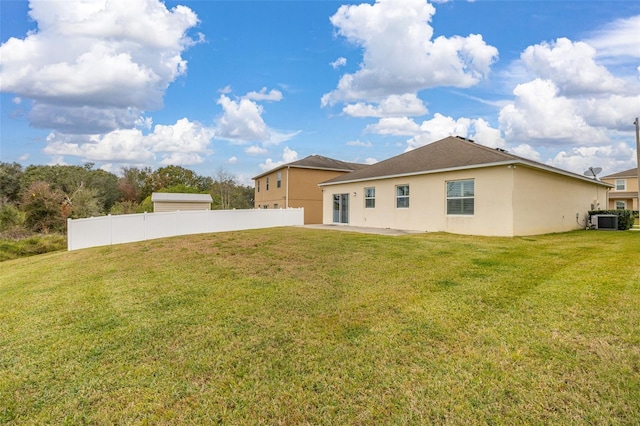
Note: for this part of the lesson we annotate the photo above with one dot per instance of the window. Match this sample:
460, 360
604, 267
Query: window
621, 184
621, 205
369, 198
460, 197
267, 185
276, 206
279, 180
258, 185
402, 196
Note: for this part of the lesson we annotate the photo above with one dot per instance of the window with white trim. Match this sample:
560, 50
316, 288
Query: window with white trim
621, 205
621, 184
461, 197
267, 184
279, 180
258, 185
370, 198
402, 196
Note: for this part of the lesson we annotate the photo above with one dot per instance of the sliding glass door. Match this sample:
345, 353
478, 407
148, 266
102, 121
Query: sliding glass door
340, 208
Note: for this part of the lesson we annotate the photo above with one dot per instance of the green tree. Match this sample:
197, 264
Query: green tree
44, 208
135, 184
10, 182
84, 202
169, 176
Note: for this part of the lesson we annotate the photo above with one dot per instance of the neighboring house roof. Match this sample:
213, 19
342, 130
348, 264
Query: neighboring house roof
180, 198
631, 173
318, 162
450, 153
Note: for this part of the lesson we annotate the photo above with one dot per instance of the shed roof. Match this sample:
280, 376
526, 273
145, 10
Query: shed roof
450, 153
318, 162
631, 173
169, 197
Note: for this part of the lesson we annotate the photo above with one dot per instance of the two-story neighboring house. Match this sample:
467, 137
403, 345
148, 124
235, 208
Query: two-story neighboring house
624, 194
295, 184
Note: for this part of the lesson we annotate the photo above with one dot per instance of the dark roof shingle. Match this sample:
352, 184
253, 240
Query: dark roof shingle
319, 162
453, 152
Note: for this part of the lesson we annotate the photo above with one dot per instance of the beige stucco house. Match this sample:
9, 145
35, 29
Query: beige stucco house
295, 185
455, 185
624, 194
168, 202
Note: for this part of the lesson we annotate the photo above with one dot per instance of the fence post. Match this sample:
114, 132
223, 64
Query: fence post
69, 235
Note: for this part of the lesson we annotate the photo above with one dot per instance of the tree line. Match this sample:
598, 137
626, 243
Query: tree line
39, 199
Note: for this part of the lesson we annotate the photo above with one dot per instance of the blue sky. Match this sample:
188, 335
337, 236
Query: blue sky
244, 86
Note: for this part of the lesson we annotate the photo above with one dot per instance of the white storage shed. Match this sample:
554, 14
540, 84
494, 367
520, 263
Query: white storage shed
168, 202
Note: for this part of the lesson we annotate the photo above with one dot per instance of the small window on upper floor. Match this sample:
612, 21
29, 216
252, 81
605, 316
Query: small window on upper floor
279, 180
267, 184
258, 185
621, 184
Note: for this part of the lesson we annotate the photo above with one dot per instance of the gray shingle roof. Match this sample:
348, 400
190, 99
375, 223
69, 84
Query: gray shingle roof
453, 152
180, 197
624, 174
319, 162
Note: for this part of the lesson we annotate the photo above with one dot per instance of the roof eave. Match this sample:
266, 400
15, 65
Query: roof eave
472, 167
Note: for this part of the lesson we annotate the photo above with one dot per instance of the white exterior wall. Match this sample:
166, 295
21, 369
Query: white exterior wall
427, 203
509, 201
172, 206
547, 202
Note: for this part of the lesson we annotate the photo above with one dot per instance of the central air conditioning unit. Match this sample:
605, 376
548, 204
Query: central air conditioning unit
605, 222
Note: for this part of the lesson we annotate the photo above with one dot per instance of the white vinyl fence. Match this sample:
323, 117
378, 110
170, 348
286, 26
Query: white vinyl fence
107, 230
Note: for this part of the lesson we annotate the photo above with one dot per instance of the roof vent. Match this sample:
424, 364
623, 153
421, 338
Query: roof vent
501, 150
465, 139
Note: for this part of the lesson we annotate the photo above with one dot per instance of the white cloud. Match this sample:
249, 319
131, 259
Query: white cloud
232, 160
340, 62
359, 143
288, 156
571, 67
397, 126
241, 121
392, 106
273, 95
183, 143
526, 151
96, 63
399, 55
619, 39
370, 160
539, 115
611, 158
255, 150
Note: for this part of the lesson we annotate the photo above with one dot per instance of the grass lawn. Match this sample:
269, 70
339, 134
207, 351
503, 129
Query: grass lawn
304, 326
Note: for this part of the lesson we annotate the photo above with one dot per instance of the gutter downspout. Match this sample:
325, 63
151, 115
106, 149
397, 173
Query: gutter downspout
286, 195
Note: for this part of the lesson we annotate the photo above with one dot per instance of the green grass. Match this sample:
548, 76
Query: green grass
37, 244
301, 326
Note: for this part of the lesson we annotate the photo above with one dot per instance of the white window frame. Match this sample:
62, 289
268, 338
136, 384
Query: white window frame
621, 184
623, 204
462, 195
279, 180
267, 184
402, 197
370, 197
